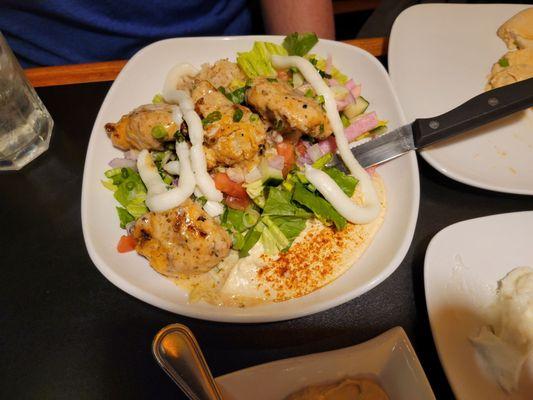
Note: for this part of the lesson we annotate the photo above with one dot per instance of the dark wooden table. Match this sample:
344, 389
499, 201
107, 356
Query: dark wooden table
68, 333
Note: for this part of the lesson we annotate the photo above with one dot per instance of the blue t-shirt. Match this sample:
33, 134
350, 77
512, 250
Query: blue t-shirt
56, 32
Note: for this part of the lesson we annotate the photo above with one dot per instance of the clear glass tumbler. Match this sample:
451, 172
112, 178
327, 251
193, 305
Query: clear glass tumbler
25, 124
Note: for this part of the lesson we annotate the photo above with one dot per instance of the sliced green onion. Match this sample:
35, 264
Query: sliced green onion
319, 99
254, 117
159, 132
158, 99
212, 117
309, 93
504, 62
237, 115
202, 200
272, 79
179, 136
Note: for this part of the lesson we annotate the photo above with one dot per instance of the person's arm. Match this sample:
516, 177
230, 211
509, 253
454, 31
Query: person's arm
282, 17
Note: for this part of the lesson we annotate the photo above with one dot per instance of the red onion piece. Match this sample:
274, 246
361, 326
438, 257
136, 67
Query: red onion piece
315, 152
354, 89
131, 154
328, 145
276, 162
342, 104
304, 88
333, 82
235, 174
123, 163
253, 175
129, 227
362, 125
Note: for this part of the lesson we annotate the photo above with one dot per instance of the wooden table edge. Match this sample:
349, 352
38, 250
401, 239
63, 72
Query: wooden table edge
108, 70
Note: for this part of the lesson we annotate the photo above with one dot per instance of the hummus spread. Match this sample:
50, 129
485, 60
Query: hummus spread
318, 256
347, 389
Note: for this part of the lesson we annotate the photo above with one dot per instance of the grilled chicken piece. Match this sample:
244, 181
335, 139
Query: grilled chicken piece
221, 73
228, 142
277, 101
182, 241
134, 130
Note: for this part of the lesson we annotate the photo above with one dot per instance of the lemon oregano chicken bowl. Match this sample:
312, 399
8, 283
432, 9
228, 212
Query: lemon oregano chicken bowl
225, 185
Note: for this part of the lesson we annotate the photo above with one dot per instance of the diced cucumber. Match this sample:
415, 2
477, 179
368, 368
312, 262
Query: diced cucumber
380, 130
271, 176
297, 80
357, 108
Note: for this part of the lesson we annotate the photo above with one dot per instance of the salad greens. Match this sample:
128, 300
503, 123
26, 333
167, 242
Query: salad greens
281, 205
256, 62
299, 44
323, 210
129, 191
347, 183
286, 209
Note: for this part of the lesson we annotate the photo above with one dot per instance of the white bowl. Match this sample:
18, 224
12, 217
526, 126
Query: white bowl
138, 82
388, 358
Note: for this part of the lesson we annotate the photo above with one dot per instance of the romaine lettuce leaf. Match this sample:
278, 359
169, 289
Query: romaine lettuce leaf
347, 183
279, 203
124, 216
256, 62
320, 207
299, 44
131, 192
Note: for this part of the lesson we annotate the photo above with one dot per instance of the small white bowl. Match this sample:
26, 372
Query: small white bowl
389, 359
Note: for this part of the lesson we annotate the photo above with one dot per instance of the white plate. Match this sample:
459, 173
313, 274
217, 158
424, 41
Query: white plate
388, 358
462, 267
439, 57
143, 77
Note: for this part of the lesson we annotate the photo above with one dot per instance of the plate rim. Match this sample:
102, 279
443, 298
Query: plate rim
243, 316
427, 273
426, 153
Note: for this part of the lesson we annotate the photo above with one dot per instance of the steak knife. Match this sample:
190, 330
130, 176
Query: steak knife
477, 111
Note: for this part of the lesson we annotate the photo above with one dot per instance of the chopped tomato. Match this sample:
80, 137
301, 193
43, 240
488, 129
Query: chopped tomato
283, 74
126, 243
226, 185
301, 149
239, 203
286, 150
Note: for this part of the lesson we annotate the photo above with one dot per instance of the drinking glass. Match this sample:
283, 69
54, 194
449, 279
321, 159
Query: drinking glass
25, 124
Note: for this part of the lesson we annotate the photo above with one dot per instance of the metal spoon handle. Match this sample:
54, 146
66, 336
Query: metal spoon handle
178, 353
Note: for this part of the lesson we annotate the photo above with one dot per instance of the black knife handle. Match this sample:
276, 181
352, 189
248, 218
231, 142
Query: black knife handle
477, 111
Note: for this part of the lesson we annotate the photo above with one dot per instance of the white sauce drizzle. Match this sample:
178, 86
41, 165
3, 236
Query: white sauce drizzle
175, 77
158, 197
172, 167
323, 182
194, 125
177, 116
